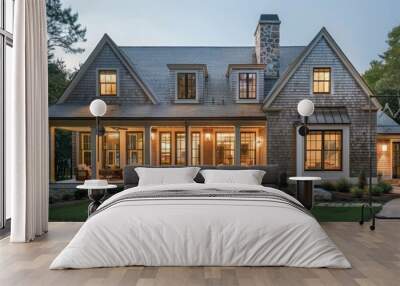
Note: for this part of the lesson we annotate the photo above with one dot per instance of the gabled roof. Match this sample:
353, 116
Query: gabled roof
385, 124
106, 40
284, 78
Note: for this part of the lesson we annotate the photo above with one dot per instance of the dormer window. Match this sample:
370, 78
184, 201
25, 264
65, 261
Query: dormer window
107, 82
322, 80
186, 85
247, 85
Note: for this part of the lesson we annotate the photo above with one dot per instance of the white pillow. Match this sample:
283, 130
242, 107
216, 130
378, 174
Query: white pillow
248, 177
166, 176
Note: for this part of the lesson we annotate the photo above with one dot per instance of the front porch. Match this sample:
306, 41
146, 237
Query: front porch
73, 156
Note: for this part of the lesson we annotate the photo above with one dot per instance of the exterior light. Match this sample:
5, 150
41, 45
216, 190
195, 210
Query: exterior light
384, 147
207, 136
305, 107
98, 108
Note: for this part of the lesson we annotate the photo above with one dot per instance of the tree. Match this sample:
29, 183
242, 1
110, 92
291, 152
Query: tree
383, 76
64, 32
63, 28
58, 79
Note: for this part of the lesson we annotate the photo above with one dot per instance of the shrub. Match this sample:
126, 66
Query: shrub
357, 192
328, 186
80, 194
376, 190
67, 197
343, 185
386, 187
362, 180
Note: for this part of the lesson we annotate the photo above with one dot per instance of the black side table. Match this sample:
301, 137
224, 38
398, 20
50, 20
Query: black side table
96, 194
305, 190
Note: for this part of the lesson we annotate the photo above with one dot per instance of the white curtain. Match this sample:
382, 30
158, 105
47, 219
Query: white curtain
27, 124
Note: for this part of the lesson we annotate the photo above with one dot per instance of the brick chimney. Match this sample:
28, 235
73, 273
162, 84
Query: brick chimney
267, 43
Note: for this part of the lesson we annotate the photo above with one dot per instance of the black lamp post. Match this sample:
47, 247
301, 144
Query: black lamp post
98, 108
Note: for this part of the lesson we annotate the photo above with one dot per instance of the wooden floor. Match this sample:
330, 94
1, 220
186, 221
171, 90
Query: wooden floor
375, 257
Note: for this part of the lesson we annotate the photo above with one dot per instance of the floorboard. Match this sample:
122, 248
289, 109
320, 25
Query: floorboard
375, 257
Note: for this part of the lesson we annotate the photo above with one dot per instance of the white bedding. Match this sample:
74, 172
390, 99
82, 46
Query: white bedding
200, 231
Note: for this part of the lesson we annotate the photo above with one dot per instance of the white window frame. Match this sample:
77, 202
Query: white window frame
6, 39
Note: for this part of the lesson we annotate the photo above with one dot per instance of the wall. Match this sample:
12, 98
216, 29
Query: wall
128, 89
281, 123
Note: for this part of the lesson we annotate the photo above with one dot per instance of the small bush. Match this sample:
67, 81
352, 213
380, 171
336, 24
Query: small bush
328, 186
343, 185
357, 192
67, 197
80, 194
376, 191
386, 187
362, 180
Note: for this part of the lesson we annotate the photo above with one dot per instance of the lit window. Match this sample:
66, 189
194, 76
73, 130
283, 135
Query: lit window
180, 148
111, 150
225, 148
321, 80
247, 85
108, 83
165, 148
186, 85
196, 148
323, 150
247, 148
85, 150
134, 148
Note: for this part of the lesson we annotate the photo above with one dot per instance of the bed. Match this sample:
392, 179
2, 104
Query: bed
195, 224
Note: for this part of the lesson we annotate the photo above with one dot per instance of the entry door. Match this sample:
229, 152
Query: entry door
396, 159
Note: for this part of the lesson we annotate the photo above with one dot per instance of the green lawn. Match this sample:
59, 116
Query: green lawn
77, 211
326, 213
70, 211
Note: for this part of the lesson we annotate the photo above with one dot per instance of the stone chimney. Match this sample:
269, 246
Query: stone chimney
267, 43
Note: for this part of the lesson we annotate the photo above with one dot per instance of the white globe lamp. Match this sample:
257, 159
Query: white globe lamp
98, 108
305, 107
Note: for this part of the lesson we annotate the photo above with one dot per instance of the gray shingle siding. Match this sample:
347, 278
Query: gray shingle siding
128, 89
345, 92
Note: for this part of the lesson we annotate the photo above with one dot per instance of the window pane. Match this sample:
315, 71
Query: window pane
195, 148
165, 148
108, 82
247, 85
225, 148
248, 148
186, 85
321, 80
180, 148
111, 150
313, 150
9, 11
135, 148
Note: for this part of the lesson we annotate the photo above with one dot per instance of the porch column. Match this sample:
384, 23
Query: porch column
187, 144
52, 154
147, 144
237, 144
94, 155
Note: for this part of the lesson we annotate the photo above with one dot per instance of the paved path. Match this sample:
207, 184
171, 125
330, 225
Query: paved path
390, 209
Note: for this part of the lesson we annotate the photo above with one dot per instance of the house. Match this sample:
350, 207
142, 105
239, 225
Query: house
214, 106
388, 146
